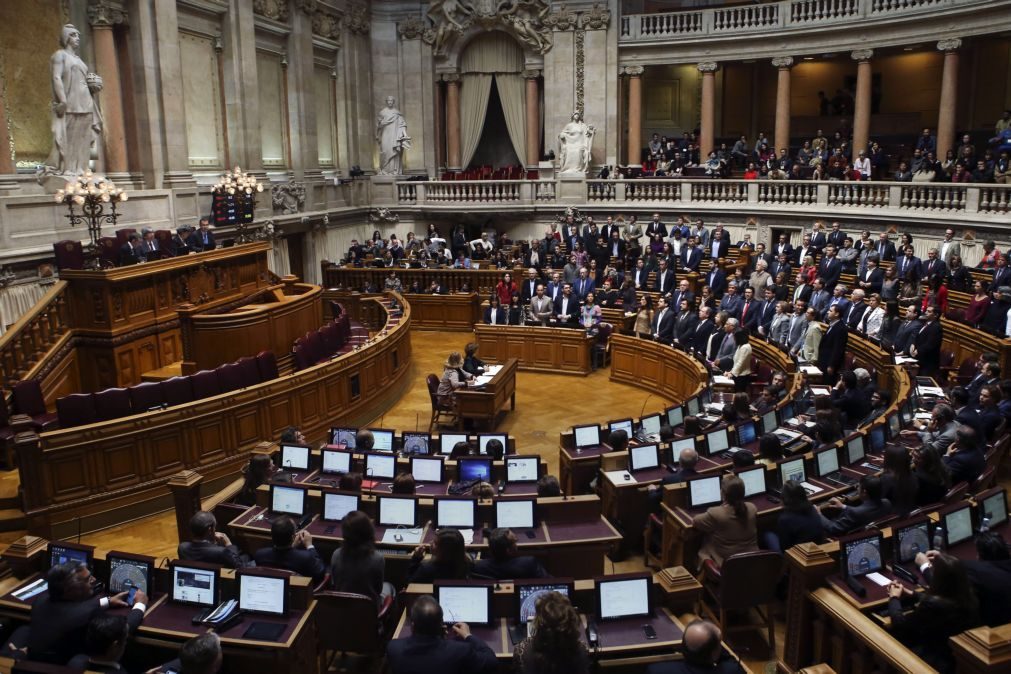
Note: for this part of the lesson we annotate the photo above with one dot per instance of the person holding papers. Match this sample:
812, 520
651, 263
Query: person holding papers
430, 650
741, 369
728, 528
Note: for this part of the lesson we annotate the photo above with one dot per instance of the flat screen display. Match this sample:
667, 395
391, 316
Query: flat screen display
704, 492
528, 593
336, 506
622, 425
416, 443
586, 436
380, 466
522, 468
912, 539
194, 585
754, 480
344, 437
262, 594
717, 441
397, 512
769, 423
447, 441
995, 507
126, 572
650, 425
623, 598
287, 500
456, 513
384, 440
295, 457
61, 553
643, 458
746, 433
827, 461
693, 407
958, 525
792, 469
484, 438
464, 604
474, 469
336, 461
855, 449
877, 439
862, 555
426, 470
514, 514
675, 416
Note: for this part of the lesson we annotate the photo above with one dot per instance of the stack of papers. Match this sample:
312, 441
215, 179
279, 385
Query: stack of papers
904, 360
407, 536
931, 391
720, 380
481, 380
810, 369
492, 370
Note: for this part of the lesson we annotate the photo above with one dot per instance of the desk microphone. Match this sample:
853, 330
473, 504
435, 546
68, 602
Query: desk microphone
644, 402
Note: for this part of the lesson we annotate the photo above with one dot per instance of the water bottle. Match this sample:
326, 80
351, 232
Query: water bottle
939, 538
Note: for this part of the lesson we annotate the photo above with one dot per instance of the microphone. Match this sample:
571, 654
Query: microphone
644, 402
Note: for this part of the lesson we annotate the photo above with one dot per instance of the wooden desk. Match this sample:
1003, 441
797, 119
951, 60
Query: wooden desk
456, 312
484, 404
538, 348
660, 369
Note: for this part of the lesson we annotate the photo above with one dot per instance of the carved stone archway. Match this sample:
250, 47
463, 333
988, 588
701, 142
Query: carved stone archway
455, 23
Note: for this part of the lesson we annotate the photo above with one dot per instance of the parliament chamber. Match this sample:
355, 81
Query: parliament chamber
467, 336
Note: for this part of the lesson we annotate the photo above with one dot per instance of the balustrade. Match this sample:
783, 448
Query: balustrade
27, 341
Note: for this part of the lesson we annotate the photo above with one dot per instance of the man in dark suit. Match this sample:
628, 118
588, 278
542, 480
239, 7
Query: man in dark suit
691, 255
554, 287
965, 459
656, 227
926, 346
836, 237
152, 249
181, 241
832, 349
750, 310
702, 652
885, 248
684, 324
292, 550
908, 266
615, 245
504, 561
761, 254
932, 266
783, 247
870, 281
829, 268
610, 228
731, 301
663, 322
803, 251
203, 238
688, 458
850, 518
849, 400
781, 265
59, 619
820, 298
766, 313
664, 281
208, 545
132, 251
683, 293
640, 277
716, 280
606, 295
1002, 274
703, 329
529, 287
818, 238
718, 246
429, 651
584, 284
567, 307
855, 312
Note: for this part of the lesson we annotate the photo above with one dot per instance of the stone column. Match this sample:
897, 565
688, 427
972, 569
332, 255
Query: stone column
533, 118
949, 97
6, 163
301, 101
239, 85
103, 19
634, 114
782, 137
453, 121
862, 105
708, 116
169, 116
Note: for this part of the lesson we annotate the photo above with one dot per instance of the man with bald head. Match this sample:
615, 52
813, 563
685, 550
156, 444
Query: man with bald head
702, 651
430, 650
687, 460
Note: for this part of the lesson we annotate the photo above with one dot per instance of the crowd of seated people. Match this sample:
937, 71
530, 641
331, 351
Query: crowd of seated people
146, 246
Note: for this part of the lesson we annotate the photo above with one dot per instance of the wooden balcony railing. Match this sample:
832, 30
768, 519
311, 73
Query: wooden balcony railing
25, 343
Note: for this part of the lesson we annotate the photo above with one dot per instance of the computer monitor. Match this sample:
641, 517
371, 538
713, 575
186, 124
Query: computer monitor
586, 437
624, 596
473, 469
855, 451
717, 441
643, 458
704, 491
706, 397
344, 437
621, 425
993, 506
861, 554
911, 538
693, 406
877, 439
675, 416
383, 440
380, 466
262, 591
826, 462
287, 500
455, 513
650, 425
464, 603
337, 505
678, 445
484, 438
523, 468
397, 511
194, 583
416, 443
295, 457
894, 426
61, 553
515, 514
908, 410
528, 592
957, 525
426, 469
127, 571
753, 479
336, 461
786, 412
447, 441
769, 423
792, 469
746, 433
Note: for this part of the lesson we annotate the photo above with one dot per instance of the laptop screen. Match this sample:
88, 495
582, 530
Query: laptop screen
786, 412
336, 461
877, 436
623, 598
469, 604
262, 594
128, 571
855, 449
958, 525
474, 469
514, 514
447, 441
457, 513
717, 441
862, 555
995, 507
527, 595
344, 437
894, 426
397, 512
678, 445
792, 469
522, 468
827, 461
675, 416
704, 491
415, 443
384, 440
643, 458
586, 436
621, 425
336, 506
746, 433
61, 553
484, 438
650, 425
753, 479
769, 423
194, 585
295, 457
380, 466
287, 500
912, 539
426, 470
693, 407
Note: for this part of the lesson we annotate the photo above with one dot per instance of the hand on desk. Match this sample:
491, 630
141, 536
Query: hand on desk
897, 590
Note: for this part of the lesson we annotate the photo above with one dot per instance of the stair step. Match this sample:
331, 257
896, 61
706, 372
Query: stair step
12, 519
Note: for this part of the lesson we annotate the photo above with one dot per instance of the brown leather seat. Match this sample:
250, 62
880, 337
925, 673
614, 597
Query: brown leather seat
745, 581
439, 410
351, 624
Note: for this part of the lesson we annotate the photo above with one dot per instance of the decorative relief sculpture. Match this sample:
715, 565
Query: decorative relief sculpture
76, 114
384, 216
562, 19
276, 10
575, 144
524, 19
597, 18
288, 197
358, 20
391, 135
411, 28
326, 25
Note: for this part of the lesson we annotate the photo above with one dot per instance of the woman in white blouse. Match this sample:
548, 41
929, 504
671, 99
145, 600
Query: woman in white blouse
870, 324
863, 165
741, 369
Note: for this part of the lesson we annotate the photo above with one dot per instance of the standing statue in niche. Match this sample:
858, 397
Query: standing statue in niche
76, 115
391, 134
575, 143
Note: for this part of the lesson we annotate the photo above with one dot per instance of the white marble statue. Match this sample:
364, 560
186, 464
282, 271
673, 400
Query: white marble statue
76, 115
575, 143
391, 134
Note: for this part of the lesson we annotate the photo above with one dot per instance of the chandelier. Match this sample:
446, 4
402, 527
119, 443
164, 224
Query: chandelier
242, 187
93, 194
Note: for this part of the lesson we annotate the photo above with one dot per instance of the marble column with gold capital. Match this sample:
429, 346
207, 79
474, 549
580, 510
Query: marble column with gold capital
103, 18
949, 97
862, 104
782, 131
634, 74
453, 121
707, 124
533, 118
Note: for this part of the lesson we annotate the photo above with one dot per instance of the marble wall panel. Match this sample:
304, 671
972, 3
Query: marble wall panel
272, 117
202, 101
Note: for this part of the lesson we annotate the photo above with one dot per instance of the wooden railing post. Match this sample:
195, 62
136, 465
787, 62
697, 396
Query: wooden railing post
26, 555
28, 448
984, 650
185, 487
809, 565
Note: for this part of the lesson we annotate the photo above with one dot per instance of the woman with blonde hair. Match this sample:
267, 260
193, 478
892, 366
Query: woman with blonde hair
555, 646
453, 378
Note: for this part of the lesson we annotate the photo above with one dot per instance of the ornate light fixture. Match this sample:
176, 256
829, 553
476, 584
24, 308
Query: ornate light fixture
243, 188
93, 193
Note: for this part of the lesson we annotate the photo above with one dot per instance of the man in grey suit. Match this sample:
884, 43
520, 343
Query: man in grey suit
541, 306
797, 328
725, 354
940, 432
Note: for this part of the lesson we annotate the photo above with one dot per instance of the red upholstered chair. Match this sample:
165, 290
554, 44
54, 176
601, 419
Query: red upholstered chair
229, 377
331, 337
301, 355
205, 384
108, 251
69, 254
146, 395
28, 400
112, 403
164, 237
123, 235
745, 581
177, 390
249, 371
266, 362
76, 409
317, 351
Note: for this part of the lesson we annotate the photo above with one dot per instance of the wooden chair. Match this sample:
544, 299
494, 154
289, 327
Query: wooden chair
439, 410
745, 581
985, 480
353, 625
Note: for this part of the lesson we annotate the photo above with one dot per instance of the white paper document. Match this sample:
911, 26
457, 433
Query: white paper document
876, 577
619, 476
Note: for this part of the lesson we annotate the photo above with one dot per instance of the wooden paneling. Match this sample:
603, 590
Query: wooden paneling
459, 311
558, 350
655, 367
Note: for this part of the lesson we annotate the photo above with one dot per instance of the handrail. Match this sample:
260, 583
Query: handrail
31, 336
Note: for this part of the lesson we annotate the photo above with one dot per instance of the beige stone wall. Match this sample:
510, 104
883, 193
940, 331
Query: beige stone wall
202, 102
